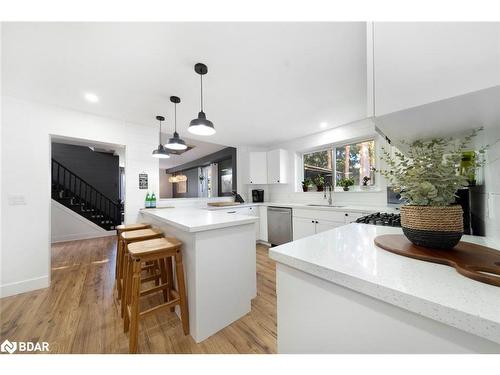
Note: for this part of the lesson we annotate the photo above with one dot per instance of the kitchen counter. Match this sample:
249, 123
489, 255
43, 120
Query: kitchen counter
347, 257
340, 207
218, 250
193, 219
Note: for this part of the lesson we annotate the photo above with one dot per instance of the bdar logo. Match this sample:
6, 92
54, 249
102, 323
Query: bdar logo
8, 347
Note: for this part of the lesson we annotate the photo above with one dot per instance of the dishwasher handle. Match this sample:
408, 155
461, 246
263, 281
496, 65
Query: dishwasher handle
279, 209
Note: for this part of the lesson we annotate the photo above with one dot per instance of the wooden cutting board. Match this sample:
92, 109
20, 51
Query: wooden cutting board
223, 204
474, 261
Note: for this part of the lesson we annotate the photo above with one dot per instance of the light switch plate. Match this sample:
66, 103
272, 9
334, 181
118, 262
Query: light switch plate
17, 200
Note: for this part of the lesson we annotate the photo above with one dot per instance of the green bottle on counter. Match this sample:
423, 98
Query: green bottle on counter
148, 201
153, 201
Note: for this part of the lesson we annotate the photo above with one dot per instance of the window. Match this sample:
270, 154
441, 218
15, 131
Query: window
319, 163
354, 160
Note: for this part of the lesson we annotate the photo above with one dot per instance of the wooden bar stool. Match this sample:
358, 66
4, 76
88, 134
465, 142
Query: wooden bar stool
128, 238
120, 250
157, 250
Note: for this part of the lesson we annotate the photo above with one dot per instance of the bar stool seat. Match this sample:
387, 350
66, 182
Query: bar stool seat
119, 250
160, 250
126, 239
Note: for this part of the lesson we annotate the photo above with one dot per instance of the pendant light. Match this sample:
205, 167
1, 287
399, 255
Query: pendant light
160, 152
200, 125
176, 143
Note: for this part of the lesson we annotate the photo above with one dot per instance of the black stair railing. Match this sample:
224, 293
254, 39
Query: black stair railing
85, 194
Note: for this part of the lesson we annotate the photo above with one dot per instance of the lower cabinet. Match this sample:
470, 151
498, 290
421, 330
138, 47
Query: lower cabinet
303, 227
251, 211
308, 222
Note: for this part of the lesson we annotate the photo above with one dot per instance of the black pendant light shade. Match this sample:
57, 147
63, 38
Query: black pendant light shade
176, 142
200, 125
160, 152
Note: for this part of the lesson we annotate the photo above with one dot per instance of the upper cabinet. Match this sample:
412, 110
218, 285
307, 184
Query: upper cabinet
415, 63
257, 171
268, 167
277, 167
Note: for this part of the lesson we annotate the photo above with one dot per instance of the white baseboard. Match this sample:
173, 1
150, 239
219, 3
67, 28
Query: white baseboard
24, 286
82, 236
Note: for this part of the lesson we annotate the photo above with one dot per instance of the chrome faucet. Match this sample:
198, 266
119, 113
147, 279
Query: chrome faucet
329, 190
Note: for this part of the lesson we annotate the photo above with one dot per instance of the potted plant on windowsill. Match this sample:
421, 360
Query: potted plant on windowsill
346, 183
427, 176
306, 183
319, 181
364, 185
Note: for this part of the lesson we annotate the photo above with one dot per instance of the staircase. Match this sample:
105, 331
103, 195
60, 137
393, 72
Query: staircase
78, 195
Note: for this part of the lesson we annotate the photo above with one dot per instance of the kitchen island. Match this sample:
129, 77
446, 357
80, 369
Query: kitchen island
219, 261
339, 293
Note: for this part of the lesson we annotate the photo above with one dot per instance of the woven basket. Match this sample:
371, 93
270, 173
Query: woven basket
432, 226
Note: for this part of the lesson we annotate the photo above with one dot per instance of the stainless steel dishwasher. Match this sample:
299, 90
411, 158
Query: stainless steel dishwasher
279, 225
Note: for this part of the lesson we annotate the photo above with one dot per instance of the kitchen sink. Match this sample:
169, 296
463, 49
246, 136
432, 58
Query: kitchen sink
325, 205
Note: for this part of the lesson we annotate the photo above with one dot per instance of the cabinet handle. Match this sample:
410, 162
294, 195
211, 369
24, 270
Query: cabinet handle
312, 221
231, 212
278, 180
251, 182
346, 214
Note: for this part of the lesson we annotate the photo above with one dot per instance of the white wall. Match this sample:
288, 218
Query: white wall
67, 225
26, 131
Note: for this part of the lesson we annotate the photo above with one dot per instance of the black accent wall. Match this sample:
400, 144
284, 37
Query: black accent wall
101, 170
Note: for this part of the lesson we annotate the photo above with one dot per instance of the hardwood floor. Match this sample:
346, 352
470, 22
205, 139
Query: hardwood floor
78, 313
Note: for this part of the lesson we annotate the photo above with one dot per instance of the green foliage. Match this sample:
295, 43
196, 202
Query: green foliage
307, 182
320, 159
319, 180
427, 174
346, 182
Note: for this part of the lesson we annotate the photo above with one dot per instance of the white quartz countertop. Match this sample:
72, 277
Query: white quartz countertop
191, 219
347, 256
335, 207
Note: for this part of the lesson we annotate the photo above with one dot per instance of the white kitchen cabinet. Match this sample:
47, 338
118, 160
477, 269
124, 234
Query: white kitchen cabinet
303, 227
416, 63
277, 166
263, 223
257, 169
251, 211
307, 222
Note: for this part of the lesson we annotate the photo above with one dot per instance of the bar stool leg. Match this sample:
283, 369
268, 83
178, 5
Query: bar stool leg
170, 277
179, 271
134, 305
164, 280
119, 267
127, 283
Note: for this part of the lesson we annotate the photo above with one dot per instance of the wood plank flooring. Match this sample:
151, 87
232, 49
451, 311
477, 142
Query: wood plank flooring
78, 313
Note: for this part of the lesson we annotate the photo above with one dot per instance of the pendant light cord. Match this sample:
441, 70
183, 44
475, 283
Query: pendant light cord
159, 135
175, 116
201, 91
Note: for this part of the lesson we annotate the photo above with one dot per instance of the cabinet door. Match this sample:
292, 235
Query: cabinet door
254, 211
324, 225
257, 168
303, 227
263, 223
277, 166
350, 217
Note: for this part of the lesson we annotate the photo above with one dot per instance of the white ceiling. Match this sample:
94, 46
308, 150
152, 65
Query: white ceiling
267, 82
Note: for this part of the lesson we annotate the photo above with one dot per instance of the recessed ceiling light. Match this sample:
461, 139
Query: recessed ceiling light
323, 125
90, 97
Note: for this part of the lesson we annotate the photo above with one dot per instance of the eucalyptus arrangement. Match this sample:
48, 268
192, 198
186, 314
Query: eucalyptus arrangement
427, 176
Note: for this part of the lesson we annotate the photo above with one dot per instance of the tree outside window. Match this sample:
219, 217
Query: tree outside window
355, 161
319, 163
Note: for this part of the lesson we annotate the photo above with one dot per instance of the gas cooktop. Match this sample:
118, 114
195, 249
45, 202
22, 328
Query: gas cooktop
381, 218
